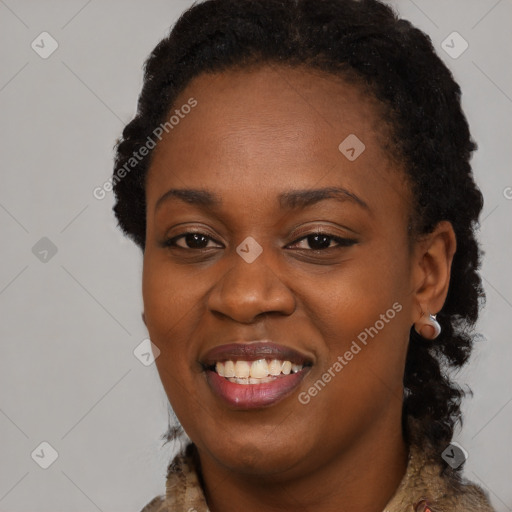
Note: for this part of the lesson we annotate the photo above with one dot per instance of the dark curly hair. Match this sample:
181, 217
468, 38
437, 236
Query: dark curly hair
363, 42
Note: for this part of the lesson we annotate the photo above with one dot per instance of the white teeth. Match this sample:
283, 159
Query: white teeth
219, 368
250, 380
259, 369
229, 369
242, 369
255, 372
274, 367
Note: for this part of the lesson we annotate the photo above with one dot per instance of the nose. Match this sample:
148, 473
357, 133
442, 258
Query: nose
248, 290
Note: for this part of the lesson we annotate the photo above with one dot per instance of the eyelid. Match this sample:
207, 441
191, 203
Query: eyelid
170, 241
340, 240
324, 230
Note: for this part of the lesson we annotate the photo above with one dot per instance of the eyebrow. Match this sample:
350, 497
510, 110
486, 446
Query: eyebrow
293, 199
296, 199
200, 197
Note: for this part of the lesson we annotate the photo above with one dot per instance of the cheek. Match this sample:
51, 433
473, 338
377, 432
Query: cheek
362, 316
362, 367
168, 296
171, 309
354, 299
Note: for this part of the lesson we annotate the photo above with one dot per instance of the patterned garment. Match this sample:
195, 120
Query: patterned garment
423, 489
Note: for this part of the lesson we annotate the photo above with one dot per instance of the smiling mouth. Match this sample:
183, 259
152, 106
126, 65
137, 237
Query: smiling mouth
259, 371
254, 375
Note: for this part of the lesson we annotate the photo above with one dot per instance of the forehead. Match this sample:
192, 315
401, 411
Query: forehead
274, 126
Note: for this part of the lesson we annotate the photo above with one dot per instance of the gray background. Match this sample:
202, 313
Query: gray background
70, 324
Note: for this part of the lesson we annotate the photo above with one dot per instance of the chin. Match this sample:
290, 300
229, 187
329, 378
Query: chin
257, 458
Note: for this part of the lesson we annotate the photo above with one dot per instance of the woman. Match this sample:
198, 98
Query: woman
297, 176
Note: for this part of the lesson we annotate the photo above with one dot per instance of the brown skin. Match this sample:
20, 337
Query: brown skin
252, 136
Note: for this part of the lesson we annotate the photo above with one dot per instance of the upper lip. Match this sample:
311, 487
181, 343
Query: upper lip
252, 351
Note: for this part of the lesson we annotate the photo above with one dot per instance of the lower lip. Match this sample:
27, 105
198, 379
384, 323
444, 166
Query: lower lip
254, 396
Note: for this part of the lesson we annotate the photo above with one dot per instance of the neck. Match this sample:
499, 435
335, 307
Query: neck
362, 478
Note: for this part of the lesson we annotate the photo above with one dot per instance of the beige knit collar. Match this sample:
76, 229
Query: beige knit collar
424, 488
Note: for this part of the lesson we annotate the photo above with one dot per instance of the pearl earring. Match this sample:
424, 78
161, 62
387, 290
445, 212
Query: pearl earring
428, 327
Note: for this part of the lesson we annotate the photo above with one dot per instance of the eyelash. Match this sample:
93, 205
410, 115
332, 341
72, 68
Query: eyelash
342, 242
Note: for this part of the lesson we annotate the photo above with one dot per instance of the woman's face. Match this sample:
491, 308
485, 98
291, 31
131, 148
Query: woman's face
300, 254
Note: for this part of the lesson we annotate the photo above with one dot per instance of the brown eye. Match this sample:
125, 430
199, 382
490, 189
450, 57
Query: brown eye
190, 241
319, 241
323, 241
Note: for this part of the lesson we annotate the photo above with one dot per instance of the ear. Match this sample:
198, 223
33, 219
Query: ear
432, 268
144, 318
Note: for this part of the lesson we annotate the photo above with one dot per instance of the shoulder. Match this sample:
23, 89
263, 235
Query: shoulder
156, 505
461, 494
183, 492
428, 486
